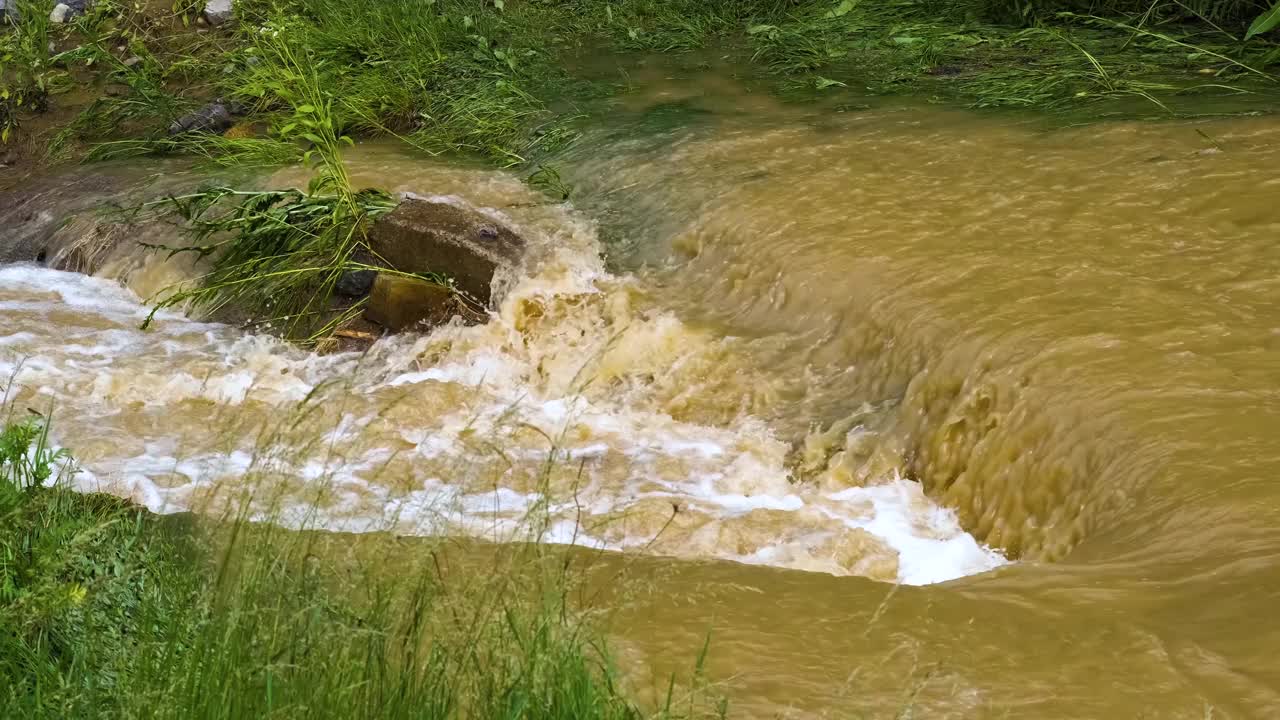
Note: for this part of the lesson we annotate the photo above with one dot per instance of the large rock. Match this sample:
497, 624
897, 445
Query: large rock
397, 302
447, 238
8, 11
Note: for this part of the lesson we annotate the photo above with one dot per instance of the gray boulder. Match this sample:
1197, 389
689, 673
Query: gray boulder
60, 13
8, 11
218, 12
434, 236
216, 117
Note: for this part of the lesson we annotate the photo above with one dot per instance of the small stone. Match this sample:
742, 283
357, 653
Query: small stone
217, 12
216, 117
60, 13
132, 61
355, 283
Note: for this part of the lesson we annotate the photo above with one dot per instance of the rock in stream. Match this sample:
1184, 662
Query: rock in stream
448, 238
439, 237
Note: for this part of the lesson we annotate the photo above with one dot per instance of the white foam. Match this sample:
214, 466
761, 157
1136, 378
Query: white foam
627, 450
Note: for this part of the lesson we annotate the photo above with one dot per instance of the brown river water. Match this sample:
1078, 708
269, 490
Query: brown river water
920, 413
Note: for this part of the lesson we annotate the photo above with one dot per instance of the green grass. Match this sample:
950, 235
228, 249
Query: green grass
488, 78
107, 611
455, 75
27, 74
1064, 63
277, 255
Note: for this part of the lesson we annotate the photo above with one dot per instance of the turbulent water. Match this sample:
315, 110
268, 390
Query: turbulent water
899, 343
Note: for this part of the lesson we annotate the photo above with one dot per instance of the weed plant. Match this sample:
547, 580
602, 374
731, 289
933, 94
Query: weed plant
279, 254
27, 72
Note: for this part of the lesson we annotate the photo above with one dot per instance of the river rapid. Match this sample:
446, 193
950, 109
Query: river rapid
909, 407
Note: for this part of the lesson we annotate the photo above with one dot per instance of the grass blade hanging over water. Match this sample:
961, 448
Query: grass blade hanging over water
275, 253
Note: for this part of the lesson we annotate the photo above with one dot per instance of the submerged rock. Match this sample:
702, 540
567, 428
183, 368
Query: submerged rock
397, 302
218, 12
32, 213
435, 236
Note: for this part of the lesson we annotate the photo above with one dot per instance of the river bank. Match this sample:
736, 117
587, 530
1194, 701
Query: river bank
503, 80
107, 611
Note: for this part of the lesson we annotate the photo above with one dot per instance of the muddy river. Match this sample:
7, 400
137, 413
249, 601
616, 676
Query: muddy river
920, 412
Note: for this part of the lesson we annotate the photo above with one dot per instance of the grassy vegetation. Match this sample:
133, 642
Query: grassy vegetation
482, 77
279, 254
107, 611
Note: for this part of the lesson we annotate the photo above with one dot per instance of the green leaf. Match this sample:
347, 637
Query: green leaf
839, 10
1266, 21
823, 83
306, 109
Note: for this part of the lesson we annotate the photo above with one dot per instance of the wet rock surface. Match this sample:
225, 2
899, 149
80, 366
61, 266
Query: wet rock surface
399, 303
448, 238
31, 214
